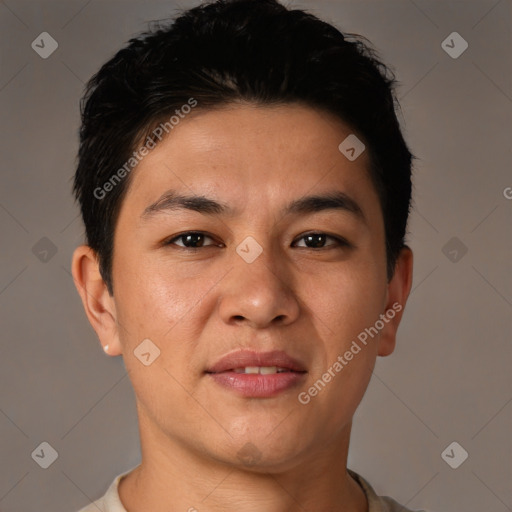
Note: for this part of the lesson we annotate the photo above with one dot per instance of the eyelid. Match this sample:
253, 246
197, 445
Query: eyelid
172, 240
339, 241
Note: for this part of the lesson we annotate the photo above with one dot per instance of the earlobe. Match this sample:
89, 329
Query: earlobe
98, 304
399, 288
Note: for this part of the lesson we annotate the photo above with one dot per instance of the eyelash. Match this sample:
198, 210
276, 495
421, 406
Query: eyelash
340, 242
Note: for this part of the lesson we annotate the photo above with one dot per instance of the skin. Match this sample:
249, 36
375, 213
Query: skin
198, 306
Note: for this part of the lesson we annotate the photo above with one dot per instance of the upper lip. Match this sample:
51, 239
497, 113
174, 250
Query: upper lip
244, 358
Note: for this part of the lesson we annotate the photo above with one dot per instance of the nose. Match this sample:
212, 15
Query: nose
259, 294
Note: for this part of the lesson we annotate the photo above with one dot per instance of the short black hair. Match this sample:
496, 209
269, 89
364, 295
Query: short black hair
224, 52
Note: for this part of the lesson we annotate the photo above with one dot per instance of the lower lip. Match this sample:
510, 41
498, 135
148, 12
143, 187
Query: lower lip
255, 385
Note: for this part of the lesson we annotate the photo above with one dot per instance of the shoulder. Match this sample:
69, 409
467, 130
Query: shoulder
390, 505
110, 501
379, 503
95, 506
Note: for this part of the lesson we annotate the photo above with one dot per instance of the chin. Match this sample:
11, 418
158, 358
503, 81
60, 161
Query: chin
261, 452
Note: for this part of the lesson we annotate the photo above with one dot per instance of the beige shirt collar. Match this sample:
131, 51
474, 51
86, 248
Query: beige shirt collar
111, 502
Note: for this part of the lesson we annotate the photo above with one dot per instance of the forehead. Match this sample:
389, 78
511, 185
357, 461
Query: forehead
246, 154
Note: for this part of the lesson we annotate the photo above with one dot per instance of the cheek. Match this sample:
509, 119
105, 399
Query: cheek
156, 303
346, 301
347, 305
344, 304
159, 301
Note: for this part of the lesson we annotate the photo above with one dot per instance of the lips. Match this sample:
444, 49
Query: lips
252, 374
248, 359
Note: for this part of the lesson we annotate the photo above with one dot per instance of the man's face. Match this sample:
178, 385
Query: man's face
319, 281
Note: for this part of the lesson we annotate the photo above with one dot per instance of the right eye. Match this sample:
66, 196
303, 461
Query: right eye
190, 240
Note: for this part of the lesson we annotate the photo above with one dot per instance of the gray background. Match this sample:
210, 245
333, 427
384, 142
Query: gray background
449, 378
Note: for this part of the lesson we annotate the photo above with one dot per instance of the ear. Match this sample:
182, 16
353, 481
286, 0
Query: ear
398, 291
98, 304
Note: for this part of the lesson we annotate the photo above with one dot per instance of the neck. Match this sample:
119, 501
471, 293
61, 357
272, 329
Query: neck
174, 478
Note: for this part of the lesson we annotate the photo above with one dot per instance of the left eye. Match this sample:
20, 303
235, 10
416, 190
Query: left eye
317, 240
190, 240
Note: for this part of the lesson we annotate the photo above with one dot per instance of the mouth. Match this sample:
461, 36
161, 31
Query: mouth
248, 361
257, 374
262, 370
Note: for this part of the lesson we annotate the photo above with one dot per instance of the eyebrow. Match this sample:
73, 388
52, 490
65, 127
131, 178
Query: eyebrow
172, 201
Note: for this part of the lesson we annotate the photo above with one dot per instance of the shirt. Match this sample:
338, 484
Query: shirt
111, 502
